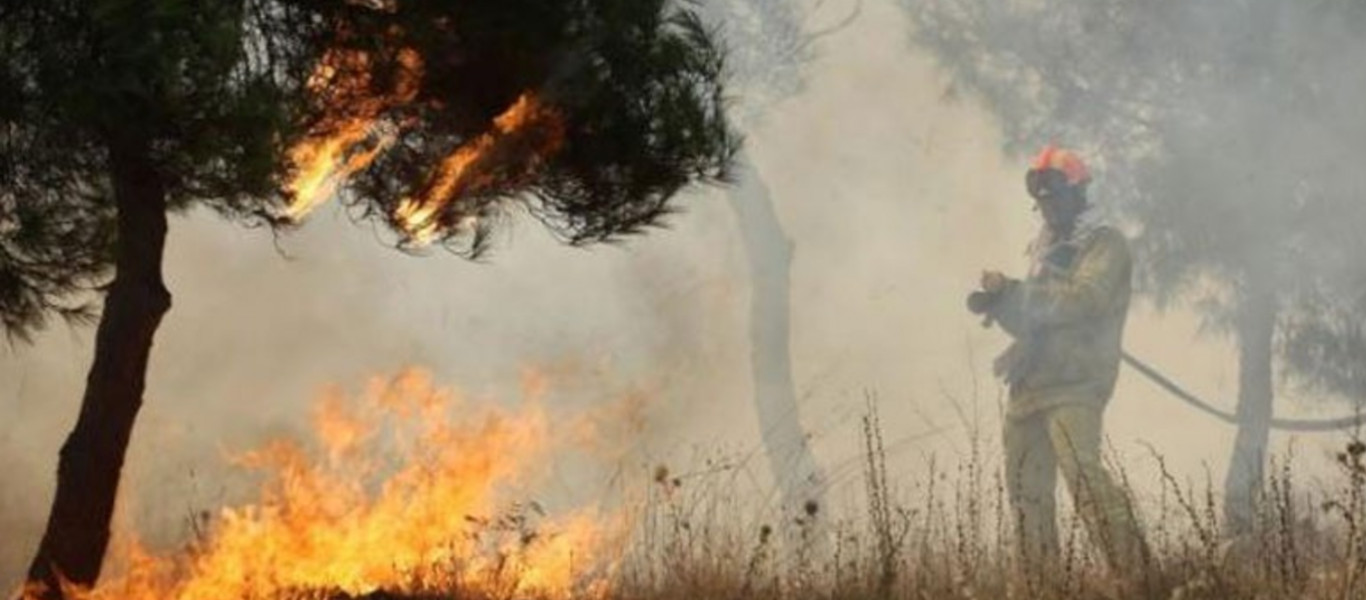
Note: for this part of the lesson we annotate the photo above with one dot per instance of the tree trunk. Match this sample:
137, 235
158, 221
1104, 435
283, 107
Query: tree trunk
73, 545
1256, 327
800, 480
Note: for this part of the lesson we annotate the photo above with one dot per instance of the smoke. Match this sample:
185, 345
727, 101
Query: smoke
1226, 133
15, 520
895, 191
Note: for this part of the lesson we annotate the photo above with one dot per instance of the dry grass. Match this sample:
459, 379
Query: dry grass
954, 544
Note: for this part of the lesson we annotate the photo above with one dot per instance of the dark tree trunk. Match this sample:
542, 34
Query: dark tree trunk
795, 470
1256, 329
73, 545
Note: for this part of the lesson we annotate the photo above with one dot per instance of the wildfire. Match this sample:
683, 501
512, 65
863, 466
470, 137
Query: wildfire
351, 140
352, 137
339, 520
466, 169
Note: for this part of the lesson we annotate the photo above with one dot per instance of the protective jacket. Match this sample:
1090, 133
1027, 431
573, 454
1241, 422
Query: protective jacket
1067, 321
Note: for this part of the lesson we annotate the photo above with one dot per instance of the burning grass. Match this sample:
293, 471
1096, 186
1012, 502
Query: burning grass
410, 492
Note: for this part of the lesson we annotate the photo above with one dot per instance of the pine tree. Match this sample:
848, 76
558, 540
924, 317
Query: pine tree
433, 118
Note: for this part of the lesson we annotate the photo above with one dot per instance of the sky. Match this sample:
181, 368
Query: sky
893, 189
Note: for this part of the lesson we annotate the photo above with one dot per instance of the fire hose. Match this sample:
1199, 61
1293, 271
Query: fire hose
1174, 389
977, 304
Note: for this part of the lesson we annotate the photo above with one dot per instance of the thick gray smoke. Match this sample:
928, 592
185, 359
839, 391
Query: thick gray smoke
893, 185
1227, 136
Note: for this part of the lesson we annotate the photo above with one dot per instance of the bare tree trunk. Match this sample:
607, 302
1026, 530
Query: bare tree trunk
1256, 328
799, 477
77, 534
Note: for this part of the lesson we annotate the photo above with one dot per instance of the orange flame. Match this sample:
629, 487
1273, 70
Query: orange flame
352, 138
348, 522
462, 171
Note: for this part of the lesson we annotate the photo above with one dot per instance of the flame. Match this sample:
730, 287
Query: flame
461, 171
435, 522
355, 134
350, 140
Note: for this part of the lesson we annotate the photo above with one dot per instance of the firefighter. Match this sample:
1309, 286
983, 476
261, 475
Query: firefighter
1065, 319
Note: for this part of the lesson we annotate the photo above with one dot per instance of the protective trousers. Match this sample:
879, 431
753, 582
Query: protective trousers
1067, 438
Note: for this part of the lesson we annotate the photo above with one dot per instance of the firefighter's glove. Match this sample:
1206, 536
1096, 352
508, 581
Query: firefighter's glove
994, 282
984, 301
980, 302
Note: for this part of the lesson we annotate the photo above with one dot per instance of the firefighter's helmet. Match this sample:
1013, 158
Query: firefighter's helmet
1054, 167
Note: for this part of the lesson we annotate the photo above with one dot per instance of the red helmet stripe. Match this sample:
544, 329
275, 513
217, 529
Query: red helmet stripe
1062, 159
